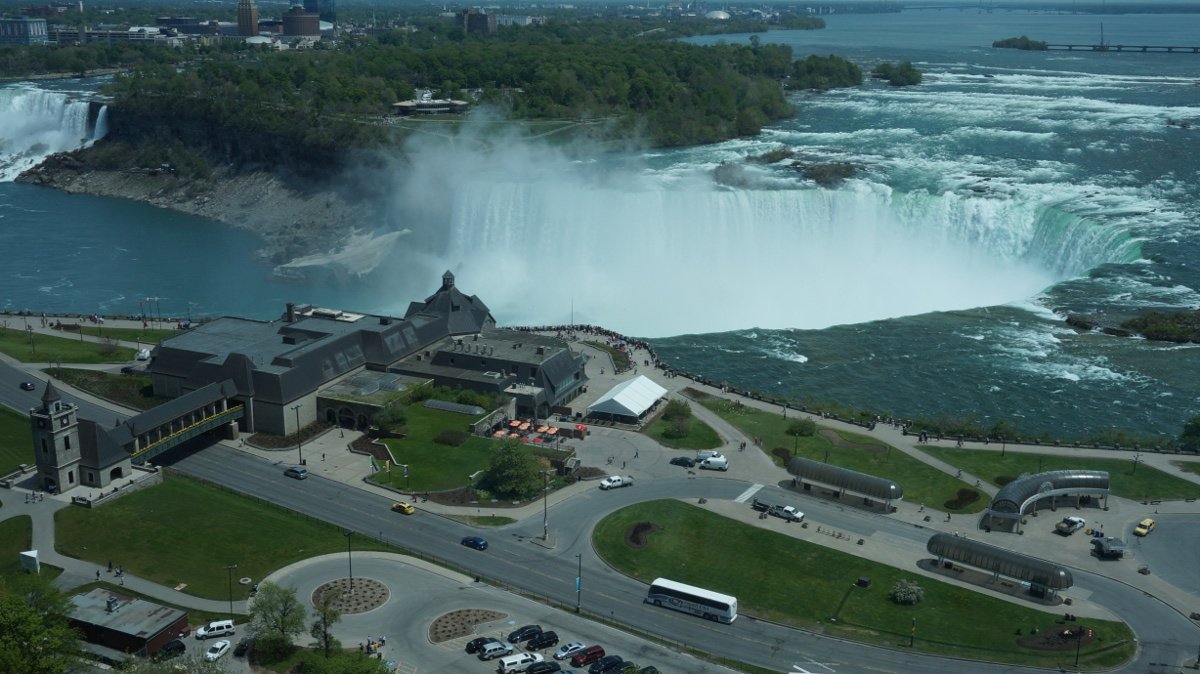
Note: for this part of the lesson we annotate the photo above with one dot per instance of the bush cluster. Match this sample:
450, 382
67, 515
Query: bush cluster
907, 592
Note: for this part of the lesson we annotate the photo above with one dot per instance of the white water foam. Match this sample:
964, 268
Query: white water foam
36, 123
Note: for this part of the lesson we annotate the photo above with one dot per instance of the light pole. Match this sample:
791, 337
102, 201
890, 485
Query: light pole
545, 505
1137, 458
229, 570
350, 560
299, 440
1078, 643
1003, 444
579, 584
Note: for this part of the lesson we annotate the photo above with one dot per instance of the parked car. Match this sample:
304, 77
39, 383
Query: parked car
171, 649
587, 655
27, 386
649, 670
477, 542
788, 513
216, 650
628, 667
544, 667
128, 369
297, 472
685, 461
568, 649
1069, 525
403, 507
474, 645
243, 647
494, 649
523, 633
544, 640
607, 663
1144, 527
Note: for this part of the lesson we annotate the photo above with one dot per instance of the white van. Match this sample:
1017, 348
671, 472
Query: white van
717, 462
216, 628
517, 663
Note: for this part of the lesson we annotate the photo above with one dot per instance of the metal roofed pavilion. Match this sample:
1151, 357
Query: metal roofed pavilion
1014, 498
999, 561
845, 479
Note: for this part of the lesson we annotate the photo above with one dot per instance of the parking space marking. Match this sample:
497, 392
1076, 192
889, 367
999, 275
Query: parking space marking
748, 493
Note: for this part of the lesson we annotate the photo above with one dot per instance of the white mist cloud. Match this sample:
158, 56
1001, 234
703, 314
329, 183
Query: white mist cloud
535, 230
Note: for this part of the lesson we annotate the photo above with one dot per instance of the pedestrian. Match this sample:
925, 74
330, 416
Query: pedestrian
322, 456
122, 581
635, 453
382, 641
361, 648
110, 566
97, 574
622, 465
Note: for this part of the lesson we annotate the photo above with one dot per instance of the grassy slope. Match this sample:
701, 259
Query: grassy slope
921, 483
16, 443
791, 581
16, 343
432, 466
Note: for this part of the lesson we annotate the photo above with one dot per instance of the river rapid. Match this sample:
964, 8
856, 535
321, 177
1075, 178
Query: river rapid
1007, 190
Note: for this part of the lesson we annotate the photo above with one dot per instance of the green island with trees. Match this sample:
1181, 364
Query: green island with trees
903, 74
1020, 43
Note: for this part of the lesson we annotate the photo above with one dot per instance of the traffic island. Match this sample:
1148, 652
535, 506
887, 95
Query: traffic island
352, 595
461, 623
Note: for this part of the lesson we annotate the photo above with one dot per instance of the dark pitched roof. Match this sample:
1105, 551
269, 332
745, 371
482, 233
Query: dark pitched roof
97, 448
463, 314
50, 394
125, 432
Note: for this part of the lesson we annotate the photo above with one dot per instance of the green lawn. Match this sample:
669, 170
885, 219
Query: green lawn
482, 520
780, 578
129, 390
433, 466
620, 358
148, 337
1126, 479
46, 348
16, 441
167, 534
700, 435
921, 483
16, 536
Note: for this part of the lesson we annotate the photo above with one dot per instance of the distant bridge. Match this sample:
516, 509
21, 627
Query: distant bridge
1169, 49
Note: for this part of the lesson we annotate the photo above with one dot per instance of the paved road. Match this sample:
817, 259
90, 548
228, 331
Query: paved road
515, 560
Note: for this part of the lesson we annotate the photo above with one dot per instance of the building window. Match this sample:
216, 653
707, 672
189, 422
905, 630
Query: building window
70, 477
67, 442
45, 450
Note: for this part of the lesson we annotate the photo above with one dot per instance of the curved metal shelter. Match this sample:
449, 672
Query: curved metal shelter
845, 479
1014, 498
1000, 561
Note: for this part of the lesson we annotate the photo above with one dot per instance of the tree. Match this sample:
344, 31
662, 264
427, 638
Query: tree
677, 410
391, 418
276, 617
1190, 438
327, 616
798, 428
34, 640
514, 472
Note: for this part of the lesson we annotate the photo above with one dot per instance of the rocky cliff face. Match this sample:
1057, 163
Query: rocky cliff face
294, 217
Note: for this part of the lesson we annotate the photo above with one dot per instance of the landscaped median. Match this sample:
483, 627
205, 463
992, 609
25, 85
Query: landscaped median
1126, 479
921, 483
787, 580
168, 534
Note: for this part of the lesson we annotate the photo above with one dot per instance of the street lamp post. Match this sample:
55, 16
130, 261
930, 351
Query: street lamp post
545, 505
579, 584
229, 570
350, 560
1078, 643
1137, 458
299, 440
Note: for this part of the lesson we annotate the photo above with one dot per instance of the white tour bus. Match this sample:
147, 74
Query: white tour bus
694, 600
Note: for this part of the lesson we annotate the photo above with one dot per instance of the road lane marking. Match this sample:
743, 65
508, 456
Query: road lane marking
748, 493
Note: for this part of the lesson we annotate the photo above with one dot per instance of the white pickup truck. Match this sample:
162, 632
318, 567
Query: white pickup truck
1070, 525
615, 481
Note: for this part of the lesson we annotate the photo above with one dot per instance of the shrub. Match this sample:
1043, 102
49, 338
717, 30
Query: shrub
677, 429
965, 497
907, 592
677, 410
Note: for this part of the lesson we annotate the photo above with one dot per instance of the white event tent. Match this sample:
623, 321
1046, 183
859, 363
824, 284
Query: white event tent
630, 399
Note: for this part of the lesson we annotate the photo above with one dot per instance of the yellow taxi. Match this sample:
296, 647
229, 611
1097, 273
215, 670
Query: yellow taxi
403, 507
1144, 527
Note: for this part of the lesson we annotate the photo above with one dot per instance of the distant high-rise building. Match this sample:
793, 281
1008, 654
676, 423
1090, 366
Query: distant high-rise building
474, 21
299, 23
322, 8
247, 15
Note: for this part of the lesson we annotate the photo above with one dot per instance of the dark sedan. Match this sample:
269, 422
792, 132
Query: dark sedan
523, 633
474, 645
476, 542
27, 386
685, 461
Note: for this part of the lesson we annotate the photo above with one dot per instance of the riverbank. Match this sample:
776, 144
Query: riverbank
293, 220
